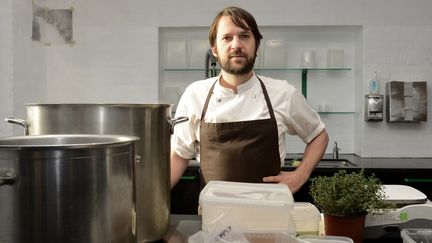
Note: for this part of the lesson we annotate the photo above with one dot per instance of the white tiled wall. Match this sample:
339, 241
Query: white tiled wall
115, 57
402, 53
6, 87
106, 65
281, 48
29, 64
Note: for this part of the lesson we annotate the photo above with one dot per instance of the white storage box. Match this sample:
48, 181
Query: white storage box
274, 238
251, 207
286, 238
326, 239
335, 58
416, 235
307, 218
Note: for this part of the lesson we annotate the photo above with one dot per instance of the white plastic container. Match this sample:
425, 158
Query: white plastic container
251, 207
416, 235
275, 238
307, 218
326, 239
335, 58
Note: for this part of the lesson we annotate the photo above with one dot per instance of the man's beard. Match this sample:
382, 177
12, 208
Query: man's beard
244, 69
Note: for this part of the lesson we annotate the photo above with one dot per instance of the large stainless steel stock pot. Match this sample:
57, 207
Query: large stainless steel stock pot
152, 123
67, 188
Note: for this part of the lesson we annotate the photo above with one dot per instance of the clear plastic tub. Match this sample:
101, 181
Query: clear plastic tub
251, 207
307, 218
325, 239
273, 238
416, 235
286, 238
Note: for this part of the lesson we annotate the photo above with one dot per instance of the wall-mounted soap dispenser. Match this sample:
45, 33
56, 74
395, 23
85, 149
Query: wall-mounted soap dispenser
374, 106
374, 102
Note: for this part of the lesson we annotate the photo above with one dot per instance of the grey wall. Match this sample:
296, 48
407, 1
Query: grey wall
115, 55
6, 59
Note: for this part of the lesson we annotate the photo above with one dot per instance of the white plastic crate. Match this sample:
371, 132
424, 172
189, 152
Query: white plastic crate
252, 207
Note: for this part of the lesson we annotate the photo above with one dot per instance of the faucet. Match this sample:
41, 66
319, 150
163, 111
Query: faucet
335, 151
210, 60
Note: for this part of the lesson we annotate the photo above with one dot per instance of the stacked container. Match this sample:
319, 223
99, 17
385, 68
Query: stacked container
254, 208
416, 235
307, 218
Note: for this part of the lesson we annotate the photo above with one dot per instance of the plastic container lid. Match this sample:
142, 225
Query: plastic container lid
306, 217
305, 210
265, 194
416, 235
326, 239
403, 194
250, 207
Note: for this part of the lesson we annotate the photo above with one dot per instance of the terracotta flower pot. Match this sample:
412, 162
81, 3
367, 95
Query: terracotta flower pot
351, 227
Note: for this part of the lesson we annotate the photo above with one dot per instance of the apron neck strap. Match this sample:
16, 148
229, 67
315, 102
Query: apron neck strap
203, 113
266, 97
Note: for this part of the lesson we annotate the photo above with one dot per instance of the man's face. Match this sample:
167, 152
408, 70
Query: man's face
234, 47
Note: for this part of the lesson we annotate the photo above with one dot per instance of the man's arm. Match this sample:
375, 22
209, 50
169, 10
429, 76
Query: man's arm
311, 157
178, 167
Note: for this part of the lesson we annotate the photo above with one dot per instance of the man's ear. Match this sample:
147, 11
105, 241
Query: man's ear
214, 51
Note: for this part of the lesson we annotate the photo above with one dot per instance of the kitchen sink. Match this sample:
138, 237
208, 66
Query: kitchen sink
335, 163
324, 163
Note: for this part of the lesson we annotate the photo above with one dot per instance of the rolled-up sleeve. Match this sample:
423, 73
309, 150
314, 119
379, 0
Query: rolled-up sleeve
183, 141
303, 121
184, 138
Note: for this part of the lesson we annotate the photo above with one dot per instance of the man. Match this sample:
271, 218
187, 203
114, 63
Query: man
238, 121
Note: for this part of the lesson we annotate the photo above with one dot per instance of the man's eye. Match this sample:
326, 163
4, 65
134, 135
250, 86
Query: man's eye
245, 36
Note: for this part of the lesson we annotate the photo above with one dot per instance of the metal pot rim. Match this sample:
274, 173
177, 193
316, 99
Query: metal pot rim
61, 139
138, 105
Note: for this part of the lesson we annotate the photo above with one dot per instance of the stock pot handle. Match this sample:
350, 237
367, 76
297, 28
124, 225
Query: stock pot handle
20, 122
7, 177
176, 121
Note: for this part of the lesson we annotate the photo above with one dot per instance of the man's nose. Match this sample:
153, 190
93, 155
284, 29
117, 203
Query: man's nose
236, 43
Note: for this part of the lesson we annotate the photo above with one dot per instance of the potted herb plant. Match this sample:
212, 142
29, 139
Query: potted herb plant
345, 199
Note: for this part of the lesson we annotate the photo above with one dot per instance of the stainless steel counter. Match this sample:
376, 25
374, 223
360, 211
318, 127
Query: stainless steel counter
380, 163
371, 162
183, 226
389, 163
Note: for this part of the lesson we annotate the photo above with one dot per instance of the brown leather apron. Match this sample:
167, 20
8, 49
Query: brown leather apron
243, 151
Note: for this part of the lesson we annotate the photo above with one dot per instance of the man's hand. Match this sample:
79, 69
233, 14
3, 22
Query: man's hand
311, 157
294, 179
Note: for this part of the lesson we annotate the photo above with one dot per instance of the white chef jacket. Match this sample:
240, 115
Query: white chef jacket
293, 115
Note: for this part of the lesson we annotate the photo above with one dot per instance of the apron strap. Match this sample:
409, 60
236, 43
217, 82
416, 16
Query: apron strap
203, 113
267, 98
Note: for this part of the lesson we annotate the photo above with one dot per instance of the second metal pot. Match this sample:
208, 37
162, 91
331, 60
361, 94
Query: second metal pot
66, 188
150, 122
